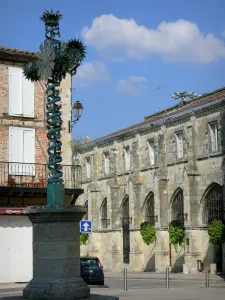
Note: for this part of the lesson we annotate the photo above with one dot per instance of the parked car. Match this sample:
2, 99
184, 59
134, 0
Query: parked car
92, 270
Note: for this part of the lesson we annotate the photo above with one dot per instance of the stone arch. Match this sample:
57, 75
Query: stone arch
104, 214
177, 206
212, 203
148, 210
125, 215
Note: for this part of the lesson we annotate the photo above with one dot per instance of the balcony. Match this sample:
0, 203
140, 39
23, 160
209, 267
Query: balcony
24, 176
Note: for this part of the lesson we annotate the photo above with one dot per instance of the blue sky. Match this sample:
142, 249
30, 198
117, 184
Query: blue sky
133, 48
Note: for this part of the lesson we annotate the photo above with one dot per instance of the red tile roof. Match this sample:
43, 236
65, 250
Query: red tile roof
12, 54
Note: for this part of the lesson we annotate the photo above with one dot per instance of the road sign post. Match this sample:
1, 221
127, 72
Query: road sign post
85, 226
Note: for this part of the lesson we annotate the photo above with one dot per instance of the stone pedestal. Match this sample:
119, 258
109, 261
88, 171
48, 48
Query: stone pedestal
56, 254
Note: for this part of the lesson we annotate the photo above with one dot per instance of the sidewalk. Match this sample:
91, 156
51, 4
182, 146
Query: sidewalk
164, 294
153, 275
146, 294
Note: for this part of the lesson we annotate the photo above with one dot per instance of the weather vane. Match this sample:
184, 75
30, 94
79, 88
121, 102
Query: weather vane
184, 96
55, 59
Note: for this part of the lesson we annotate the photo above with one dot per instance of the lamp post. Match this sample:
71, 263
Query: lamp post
77, 110
55, 60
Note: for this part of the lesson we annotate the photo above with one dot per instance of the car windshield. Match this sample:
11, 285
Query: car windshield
89, 262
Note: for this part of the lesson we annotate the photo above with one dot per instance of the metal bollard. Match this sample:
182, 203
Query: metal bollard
167, 278
125, 279
207, 279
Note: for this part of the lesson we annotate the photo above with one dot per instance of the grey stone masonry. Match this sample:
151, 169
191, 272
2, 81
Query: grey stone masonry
56, 254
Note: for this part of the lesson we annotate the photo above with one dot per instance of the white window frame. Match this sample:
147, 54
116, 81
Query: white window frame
127, 158
88, 167
21, 167
25, 95
151, 152
213, 129
106, 161
179, 144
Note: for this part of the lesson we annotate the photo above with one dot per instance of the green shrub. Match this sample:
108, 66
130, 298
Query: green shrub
148, 233
83, 238
216, 232
176, 233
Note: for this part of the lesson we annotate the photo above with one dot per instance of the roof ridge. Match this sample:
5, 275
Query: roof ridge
201, 100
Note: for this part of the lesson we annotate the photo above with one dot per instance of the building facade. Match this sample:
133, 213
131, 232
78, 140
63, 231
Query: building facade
168, 167
23, 160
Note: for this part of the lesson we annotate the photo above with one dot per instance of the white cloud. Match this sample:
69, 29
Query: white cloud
174, 41
90, 72
132, 84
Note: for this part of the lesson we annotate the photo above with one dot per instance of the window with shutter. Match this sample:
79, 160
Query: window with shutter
180, 145
29, 151
151, 148
21, 93
15, 91
28, 98
21, 151
214, 136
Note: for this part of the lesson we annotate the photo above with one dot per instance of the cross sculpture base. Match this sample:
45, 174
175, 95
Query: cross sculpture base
56, 253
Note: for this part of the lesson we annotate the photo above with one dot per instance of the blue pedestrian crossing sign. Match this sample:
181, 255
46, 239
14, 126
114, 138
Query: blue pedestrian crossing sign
85, 226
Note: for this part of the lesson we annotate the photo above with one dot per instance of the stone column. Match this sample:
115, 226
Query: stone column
56, 253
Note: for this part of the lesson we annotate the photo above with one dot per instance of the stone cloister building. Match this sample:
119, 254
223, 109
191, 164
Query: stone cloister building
167, 167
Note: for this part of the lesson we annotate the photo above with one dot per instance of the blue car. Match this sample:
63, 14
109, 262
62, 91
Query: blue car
92, 270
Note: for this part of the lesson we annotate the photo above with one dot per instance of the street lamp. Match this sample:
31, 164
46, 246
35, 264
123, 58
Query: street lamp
77, 110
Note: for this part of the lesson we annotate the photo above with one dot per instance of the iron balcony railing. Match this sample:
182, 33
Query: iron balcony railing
35, 175
126, 221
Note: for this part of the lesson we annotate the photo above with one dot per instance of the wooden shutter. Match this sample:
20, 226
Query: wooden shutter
28, 97
15, 91
15, 151
29, 151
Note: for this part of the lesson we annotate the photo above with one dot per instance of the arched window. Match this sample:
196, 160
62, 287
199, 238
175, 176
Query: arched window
126, 220
150, 209
213, 204
178, 206
104, 214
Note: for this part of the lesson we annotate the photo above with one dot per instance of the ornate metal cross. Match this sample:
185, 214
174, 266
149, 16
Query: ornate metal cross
55, 60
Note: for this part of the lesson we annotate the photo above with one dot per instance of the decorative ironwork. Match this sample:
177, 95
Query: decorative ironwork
126, 221
213, 204
152, 219
182, 216
178, 207
105, 223
55, 59
35, 175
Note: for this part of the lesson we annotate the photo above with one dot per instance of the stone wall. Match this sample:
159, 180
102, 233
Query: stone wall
193, 174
